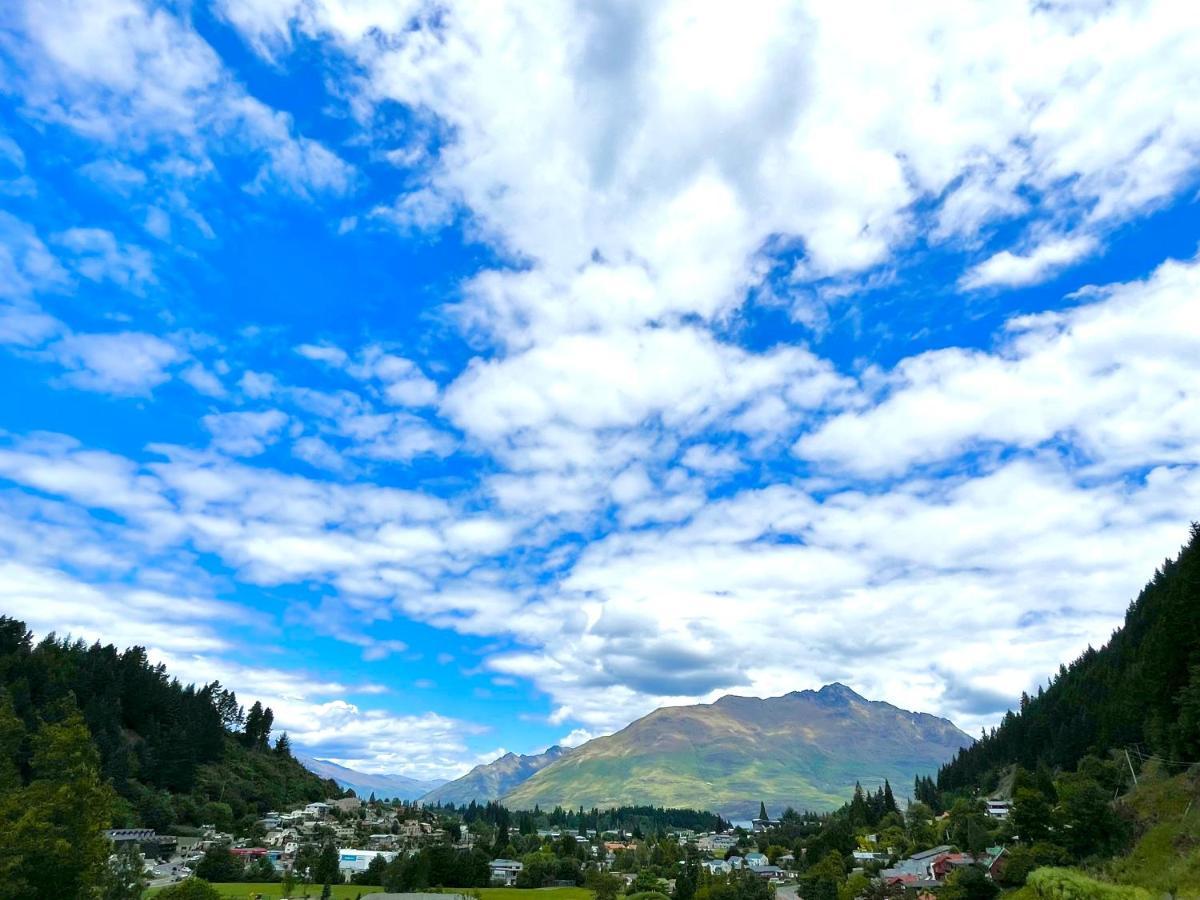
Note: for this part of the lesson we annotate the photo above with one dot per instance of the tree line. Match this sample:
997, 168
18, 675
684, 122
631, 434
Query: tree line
1141, 689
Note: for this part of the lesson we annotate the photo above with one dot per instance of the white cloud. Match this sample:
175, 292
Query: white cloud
1007, 269
673, 142
1114, 377
98, 256
126, 362
129, 75
245, 433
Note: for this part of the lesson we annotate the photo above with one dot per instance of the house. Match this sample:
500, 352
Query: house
862, 857
716, 866
785, 860
995, 861
998, 809
916, 866
761, 825
249, 852
756, 860
347, 804
352, 861
716, 843
316, 810
736, 862
769, 872
946, 863
505, 871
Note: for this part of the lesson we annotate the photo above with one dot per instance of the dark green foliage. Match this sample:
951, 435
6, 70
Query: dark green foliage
125, 878
1141, 688
742, 885
189, 889
325, 870
605, 885
374, 873
436, 866
969, 883
645, 819
52, 841
220, 865
1031, 816
643, 883
172, 752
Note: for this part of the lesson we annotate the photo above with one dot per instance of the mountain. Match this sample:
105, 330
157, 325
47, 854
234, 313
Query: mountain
364, 784
495, 779
805, 749
1142, 688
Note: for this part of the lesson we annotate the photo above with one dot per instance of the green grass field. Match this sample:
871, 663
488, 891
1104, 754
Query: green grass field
246, 891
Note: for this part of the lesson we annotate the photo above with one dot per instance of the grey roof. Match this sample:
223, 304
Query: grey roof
934, 851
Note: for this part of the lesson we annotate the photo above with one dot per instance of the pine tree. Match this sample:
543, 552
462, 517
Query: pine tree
54, 842
889, 800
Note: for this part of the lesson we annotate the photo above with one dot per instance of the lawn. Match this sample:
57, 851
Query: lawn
247, 891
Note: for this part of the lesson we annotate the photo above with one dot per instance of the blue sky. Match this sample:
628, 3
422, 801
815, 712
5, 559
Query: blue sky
472, 377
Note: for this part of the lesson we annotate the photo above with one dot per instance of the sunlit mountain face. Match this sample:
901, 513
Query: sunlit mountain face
462, 379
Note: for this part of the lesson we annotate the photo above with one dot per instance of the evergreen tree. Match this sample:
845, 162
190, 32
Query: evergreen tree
889, 800
54, 843
762, 810
325, 870
859, 814
126, 876
1138, 689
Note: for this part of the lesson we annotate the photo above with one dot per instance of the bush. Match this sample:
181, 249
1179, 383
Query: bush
1067, 884
189, 889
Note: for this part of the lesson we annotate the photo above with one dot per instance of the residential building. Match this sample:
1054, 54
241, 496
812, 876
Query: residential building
756, 860
716, 843
998, 809
351, 860
505, 871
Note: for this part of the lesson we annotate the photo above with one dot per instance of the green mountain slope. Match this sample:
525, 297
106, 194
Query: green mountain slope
805, 749
493, 780
174, 755
1142, 688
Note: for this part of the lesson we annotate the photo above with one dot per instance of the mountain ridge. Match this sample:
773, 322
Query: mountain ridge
385, 786
490, 781
804, 749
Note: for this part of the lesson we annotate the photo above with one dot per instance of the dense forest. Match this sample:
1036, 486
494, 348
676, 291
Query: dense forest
173, 754
636, 820
1140, 691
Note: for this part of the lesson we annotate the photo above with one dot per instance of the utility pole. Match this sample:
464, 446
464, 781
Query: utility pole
1130, 763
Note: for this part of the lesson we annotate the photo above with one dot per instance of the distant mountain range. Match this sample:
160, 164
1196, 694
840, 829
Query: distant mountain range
493, 780
805, 749
364, 784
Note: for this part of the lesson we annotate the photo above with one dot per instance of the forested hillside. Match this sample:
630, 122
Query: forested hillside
1141, 690
173, 754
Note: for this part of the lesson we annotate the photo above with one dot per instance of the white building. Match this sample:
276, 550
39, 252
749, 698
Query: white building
316, 810
756, 860
998, 809
716, 843
505, 871
350, 860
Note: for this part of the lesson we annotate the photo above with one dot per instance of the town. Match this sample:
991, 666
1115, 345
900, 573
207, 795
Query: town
870, 848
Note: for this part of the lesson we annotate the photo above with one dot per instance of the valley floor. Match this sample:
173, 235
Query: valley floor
251, 891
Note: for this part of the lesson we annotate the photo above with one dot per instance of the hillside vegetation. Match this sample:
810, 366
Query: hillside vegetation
806, 749
92, 738
1141, 690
